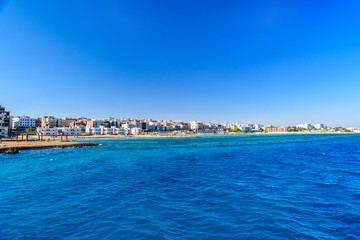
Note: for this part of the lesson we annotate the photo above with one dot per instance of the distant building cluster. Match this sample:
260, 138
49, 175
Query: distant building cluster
52, 126
309, 126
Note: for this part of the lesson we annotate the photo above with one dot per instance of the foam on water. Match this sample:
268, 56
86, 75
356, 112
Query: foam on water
220, 187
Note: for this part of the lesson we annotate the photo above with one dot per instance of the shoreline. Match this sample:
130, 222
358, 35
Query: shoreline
34, 145
127, 137
49, 144
190, 136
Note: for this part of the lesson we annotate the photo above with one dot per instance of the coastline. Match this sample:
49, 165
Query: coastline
128, 136
193, 135
33, 145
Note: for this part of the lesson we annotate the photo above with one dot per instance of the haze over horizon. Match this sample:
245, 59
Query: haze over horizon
280, 63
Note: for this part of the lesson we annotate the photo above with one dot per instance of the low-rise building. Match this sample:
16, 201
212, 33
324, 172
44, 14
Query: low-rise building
93, 131
107, 131
47, 131
67, 131
119, 131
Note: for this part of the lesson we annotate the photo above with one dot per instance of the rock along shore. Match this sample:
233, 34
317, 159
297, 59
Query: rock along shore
48, 146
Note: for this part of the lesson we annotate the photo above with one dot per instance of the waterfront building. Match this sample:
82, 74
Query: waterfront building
196, 125
319, 126
151, 125
305, 125
5, 122
47, 131
271, 129
209, 126
93, 131
231, 126
22, 123
67, 131
119, 131
258, 127
136, 131
49, 122
107, 131
247, 128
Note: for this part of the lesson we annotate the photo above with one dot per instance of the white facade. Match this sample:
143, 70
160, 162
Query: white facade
70, 131
47, 131
136, 131
93, 131
23, 122
319, 126
257, 127
196, 125
305, 125
151, 125
119, 131
107, 131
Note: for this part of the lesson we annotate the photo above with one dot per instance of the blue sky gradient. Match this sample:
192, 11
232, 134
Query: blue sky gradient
271, 62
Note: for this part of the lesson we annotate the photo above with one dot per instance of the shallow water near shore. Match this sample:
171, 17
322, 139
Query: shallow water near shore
213, 187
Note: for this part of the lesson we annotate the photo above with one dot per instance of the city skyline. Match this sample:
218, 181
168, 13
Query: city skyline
283, 64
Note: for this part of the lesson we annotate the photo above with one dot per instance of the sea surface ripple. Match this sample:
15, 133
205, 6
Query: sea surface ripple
217, 187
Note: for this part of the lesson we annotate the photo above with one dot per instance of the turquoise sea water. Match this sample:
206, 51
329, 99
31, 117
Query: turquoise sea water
219, 187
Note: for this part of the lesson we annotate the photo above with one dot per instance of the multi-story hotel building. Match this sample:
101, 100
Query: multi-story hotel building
22, 123
4, 122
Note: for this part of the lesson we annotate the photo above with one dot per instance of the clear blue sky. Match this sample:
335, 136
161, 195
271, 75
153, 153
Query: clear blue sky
271, 62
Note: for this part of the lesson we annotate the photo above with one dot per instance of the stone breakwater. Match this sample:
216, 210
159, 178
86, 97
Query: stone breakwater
48, 146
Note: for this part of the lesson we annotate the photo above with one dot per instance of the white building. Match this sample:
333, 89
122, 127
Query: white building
93, 131
305, 125
319, 126
151, 125
119, 131
23, 122
196, 125
257, 127
107, 131
136, 131
66, 131
47, 131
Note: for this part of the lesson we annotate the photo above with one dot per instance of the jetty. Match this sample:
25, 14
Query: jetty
33, 145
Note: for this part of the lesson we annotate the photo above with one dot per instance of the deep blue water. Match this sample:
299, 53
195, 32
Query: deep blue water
220, 187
